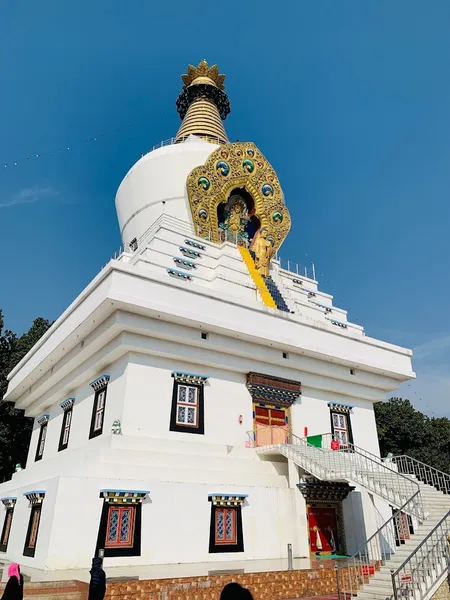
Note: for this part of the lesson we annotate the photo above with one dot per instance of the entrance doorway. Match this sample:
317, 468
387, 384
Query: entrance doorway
271, 425
323, 530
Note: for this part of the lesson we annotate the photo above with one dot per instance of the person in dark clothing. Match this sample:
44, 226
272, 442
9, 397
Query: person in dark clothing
14, 587
234, 591
97, 585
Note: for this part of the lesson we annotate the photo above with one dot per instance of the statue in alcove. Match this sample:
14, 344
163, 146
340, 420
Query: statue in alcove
263, 250
235, 218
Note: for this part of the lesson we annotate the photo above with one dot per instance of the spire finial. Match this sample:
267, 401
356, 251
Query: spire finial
203, 104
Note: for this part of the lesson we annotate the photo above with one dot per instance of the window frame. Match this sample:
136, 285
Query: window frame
334, 429
222, 546
175, 424
33, 526
93, 431
7, 524
41, 440
63, 445
133, 548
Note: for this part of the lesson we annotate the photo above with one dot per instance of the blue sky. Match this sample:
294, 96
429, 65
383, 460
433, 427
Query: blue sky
349, 100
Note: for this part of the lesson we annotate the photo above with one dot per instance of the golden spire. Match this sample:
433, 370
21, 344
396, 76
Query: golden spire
203, 104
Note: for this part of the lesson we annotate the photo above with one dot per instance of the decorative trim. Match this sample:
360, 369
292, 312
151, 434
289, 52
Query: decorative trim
43, 420
35, 497
100, 382
273, 389
203, 90
9, 502
341, 408
179, 274
195, 245
190, 253
189, 378
124, 496
184, 263
311, 293
328, 309
297, 281
220, 499
338, 323
66, 404
210, 184
324, 491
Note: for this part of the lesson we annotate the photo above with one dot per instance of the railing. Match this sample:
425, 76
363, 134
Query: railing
425, 473
174, 140
296, 269
429, 561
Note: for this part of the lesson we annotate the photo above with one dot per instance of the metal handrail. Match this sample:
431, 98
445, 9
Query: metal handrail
435, 558
438, 478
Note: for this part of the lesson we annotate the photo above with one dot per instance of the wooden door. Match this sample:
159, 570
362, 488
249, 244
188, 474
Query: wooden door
270, 426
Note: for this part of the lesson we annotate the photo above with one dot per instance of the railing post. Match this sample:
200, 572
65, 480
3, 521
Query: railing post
394, 587
338, 587
290, 559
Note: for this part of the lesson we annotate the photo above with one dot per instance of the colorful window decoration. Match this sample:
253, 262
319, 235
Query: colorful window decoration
226, 530
120, 526
340, 424
36, 499
9, 505
187, 414
43, 424
98, 410
226, 523
120, 529
67, 406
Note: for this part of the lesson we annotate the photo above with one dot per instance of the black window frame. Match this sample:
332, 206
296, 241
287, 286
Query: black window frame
93, 433
43, 427
215, 548
199, 429
346, 414
62, 445
135, 550
27, 550
3, 545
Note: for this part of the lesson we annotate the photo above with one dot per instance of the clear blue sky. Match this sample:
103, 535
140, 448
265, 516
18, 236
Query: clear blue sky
349, 100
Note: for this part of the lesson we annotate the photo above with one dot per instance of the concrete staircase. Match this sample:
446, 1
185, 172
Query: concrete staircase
393, 563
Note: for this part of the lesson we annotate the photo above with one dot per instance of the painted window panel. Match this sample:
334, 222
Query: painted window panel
120, 528
98, 413
6, 529
226, 530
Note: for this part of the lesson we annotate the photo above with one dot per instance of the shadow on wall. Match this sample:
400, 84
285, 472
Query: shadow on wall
354, 525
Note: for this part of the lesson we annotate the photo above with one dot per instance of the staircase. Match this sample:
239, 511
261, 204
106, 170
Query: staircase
276, 294
396, 561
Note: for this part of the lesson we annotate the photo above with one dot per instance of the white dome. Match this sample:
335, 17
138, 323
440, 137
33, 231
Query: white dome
158, 176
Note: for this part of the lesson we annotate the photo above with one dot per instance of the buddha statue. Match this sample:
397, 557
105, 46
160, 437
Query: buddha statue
263, 250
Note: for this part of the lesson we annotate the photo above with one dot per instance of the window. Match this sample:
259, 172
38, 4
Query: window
98, 413
285, 355
340, 428
205, 335
226, 530
33, 530
6, 529
41, 441
65, 429
120, 529
187, 408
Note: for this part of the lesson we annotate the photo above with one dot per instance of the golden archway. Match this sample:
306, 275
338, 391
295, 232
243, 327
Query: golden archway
232, 166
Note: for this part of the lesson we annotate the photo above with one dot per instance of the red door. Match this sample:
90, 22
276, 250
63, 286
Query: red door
270, 426
323, 531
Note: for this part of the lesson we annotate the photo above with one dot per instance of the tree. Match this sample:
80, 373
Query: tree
15, 428
404, 430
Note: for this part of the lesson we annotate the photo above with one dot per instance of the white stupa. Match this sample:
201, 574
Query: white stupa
187, 402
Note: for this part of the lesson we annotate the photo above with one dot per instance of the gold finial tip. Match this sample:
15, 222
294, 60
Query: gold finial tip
203, 73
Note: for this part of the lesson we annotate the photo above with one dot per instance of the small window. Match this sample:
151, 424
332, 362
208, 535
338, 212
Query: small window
205, 335
33, 530
187, 408
41, 441
226, 530
120, 530
98, 413
340, 426
285, 355
352, 371
65, 429
6, 529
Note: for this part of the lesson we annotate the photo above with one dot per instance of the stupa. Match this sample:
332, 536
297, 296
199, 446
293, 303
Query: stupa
192, 404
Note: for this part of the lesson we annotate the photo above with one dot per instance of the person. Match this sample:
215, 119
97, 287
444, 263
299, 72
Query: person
14, 587
235, 591
97, 585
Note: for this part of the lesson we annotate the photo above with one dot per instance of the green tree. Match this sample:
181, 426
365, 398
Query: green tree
404, 430
15, 428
